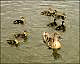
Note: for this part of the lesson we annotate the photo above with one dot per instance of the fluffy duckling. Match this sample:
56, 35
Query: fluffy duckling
53, 11
61, 27
52, 24
23, 35
21, 21
59, 16
49, 12
13, 42
51, 41
46, 13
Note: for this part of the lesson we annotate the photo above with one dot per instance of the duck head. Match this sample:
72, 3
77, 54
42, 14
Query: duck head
22, 18
17, 42
50, 10
26, 33
55, 11
63, 16
45, 36
9, 42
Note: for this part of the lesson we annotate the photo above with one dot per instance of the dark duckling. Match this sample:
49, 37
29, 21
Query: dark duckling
46, 13
61, 27
13, 42
52, 23
21, 21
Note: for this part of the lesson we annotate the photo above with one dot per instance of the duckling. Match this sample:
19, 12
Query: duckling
61, 27
13, 42
59, 15
52, 24
21, 21
46, 13
49, 12
52, 11
23, 35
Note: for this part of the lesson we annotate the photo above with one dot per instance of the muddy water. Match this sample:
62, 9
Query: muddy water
34, 50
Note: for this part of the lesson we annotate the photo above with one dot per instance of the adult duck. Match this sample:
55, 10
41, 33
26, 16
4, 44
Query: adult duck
51, 40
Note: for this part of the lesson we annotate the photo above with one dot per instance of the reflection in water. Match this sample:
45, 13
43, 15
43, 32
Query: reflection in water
56, 55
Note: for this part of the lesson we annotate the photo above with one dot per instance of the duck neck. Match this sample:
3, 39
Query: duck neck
62, 23
54, 20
